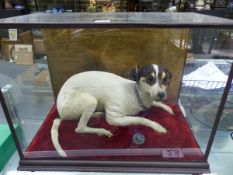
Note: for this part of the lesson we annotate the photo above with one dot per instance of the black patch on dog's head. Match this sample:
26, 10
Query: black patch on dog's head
147, 72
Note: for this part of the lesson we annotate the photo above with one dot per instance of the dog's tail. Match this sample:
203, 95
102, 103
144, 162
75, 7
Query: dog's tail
55, 137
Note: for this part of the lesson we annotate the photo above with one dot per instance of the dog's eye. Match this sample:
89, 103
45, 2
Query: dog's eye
149, 79
165, 81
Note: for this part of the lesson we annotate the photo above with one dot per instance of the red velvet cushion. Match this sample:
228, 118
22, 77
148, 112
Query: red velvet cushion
178, 143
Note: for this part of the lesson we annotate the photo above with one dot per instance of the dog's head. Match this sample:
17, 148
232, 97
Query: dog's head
152, 79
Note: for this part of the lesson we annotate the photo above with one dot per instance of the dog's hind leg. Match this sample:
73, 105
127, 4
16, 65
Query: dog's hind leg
98, 114
133, 120
87, 112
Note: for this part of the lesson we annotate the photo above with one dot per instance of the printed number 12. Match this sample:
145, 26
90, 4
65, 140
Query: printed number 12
172, 152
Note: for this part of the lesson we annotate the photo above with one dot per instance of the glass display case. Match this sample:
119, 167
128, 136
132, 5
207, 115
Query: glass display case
116, 92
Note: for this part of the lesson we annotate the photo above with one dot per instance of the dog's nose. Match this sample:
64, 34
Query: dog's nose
161, 95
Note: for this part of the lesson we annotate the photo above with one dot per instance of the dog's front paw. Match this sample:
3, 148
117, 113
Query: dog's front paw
104, 132
169, 110
162, 130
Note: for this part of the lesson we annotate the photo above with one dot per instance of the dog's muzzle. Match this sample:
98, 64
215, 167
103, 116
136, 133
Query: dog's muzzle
160, 96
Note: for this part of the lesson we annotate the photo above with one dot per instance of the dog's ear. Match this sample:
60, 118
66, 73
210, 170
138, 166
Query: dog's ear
134, 73
169, 74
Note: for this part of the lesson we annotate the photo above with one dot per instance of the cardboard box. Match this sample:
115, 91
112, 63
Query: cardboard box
7, 44
6, 47
39, 46
26, 37
24, 54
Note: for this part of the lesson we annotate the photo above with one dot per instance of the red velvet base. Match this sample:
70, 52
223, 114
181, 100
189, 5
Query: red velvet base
177, 144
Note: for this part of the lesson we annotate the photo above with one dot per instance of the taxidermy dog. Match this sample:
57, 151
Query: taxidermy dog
118, 98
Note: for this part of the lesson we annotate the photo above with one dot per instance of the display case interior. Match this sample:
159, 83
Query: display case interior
160, 81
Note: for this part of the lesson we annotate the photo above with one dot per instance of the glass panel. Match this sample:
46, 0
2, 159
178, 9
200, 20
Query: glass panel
36, 68
25, 82
72, 51
206, 71
224, 136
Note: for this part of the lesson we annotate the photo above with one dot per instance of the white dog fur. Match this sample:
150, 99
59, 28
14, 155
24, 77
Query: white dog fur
120, 99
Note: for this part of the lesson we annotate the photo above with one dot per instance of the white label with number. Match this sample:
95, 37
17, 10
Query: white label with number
172, 152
